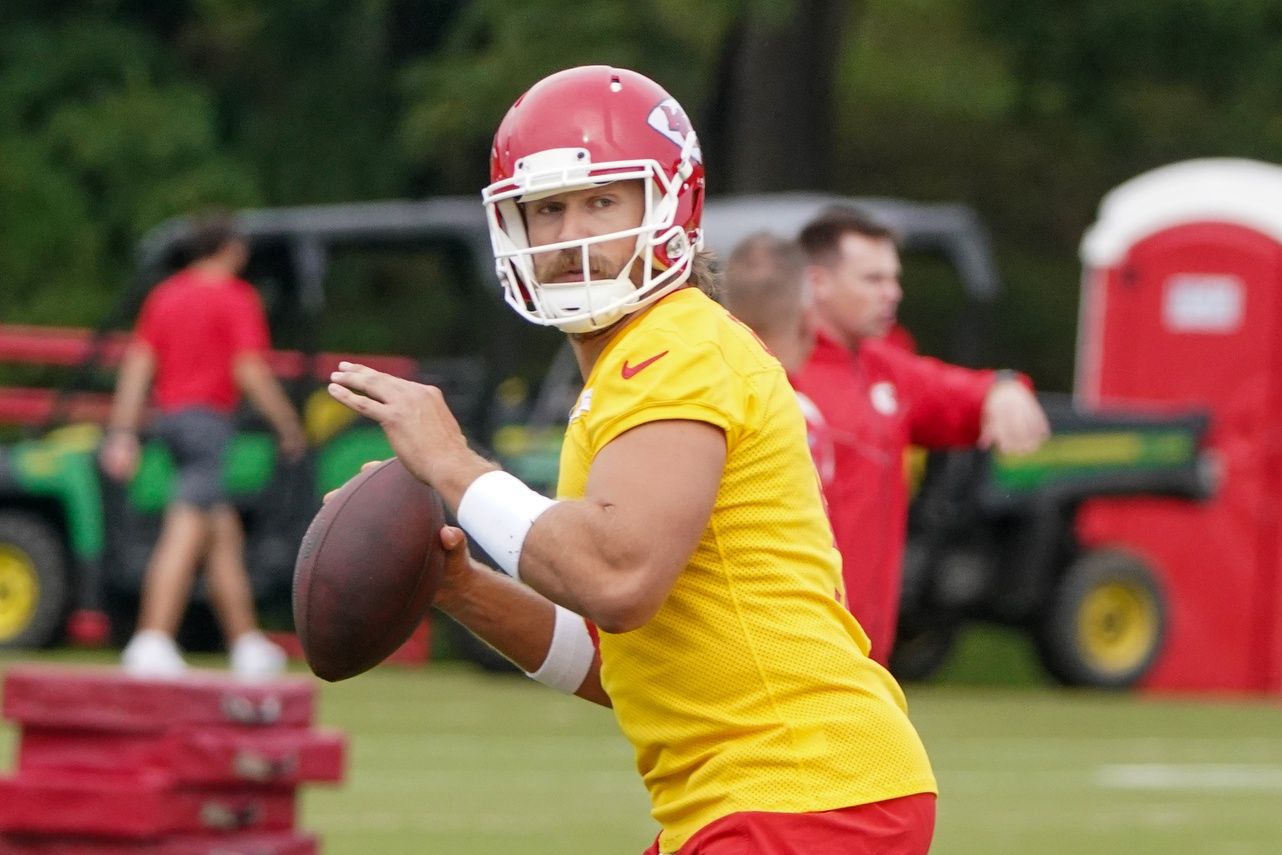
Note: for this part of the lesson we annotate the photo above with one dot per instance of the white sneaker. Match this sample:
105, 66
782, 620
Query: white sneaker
152, 654
253, 657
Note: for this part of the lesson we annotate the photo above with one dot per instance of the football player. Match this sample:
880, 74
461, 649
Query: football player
688, 528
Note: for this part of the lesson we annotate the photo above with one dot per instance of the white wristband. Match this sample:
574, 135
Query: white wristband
498, 510
569, 656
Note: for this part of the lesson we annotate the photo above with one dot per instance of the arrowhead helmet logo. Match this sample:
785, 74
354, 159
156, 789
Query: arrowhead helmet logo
670, 120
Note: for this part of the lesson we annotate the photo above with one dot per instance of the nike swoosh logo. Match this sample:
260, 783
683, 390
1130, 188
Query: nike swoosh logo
630, 371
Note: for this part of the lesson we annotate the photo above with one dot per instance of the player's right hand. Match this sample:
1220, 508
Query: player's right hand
417, 423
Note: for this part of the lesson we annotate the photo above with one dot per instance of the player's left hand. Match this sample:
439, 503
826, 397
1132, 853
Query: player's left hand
418, 424
460, 569
365, 467
1013, 422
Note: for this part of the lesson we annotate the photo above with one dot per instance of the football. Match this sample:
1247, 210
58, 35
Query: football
367, 570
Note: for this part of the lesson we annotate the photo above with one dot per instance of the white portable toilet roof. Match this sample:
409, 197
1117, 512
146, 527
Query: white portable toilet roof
1231, 190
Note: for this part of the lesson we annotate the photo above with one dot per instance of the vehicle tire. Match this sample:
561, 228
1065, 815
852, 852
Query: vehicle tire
922, 650
35, 587
1106, 624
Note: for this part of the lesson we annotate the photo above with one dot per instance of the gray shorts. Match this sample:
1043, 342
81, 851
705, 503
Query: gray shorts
198, 439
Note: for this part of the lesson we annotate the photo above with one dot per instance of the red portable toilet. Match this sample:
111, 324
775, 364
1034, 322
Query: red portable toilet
1182, 308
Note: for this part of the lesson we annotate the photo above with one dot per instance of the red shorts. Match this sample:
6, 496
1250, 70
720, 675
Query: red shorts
901, 826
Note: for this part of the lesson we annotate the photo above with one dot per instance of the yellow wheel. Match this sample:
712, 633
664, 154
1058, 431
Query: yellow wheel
19, 591
1117, 626
33, 581
1106, 624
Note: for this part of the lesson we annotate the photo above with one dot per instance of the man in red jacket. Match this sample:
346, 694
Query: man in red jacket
867, 400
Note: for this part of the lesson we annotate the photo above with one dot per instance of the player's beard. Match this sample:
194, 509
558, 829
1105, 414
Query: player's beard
549, 267
552, 265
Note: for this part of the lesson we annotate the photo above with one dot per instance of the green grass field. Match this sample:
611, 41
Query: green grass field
447, 759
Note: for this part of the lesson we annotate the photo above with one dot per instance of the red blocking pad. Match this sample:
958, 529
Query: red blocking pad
281, 843
108, 699
216, 755
148, 805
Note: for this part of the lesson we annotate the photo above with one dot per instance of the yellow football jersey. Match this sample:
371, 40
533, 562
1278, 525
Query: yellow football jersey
751, 689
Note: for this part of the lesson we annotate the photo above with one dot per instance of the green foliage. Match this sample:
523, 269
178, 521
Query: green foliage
1083, 50
143, 178
98, 148
1145, 78
115, 114
307, 92
49, 248
496, 50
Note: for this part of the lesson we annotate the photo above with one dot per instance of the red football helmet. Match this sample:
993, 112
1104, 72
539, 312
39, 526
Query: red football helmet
585, 127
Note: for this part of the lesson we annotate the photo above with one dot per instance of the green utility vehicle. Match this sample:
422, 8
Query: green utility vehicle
997, 538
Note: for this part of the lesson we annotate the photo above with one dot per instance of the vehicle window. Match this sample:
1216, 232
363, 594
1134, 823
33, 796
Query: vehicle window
420, 301
271, 270
427, 300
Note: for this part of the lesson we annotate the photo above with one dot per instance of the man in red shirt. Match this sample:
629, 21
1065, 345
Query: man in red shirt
867, 400
201, 337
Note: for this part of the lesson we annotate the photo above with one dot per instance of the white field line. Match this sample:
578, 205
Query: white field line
1209, 776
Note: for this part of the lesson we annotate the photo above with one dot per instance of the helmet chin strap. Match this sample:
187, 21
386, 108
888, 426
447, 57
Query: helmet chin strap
585, 327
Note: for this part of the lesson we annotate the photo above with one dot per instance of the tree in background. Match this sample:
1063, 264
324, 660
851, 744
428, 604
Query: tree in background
758, 75
115, 114
100, 142
1138, 85
773, 109
492, 50
120, 113
1119, 67
307, 90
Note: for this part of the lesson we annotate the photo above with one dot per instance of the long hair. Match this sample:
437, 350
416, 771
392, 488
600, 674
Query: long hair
704, 274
